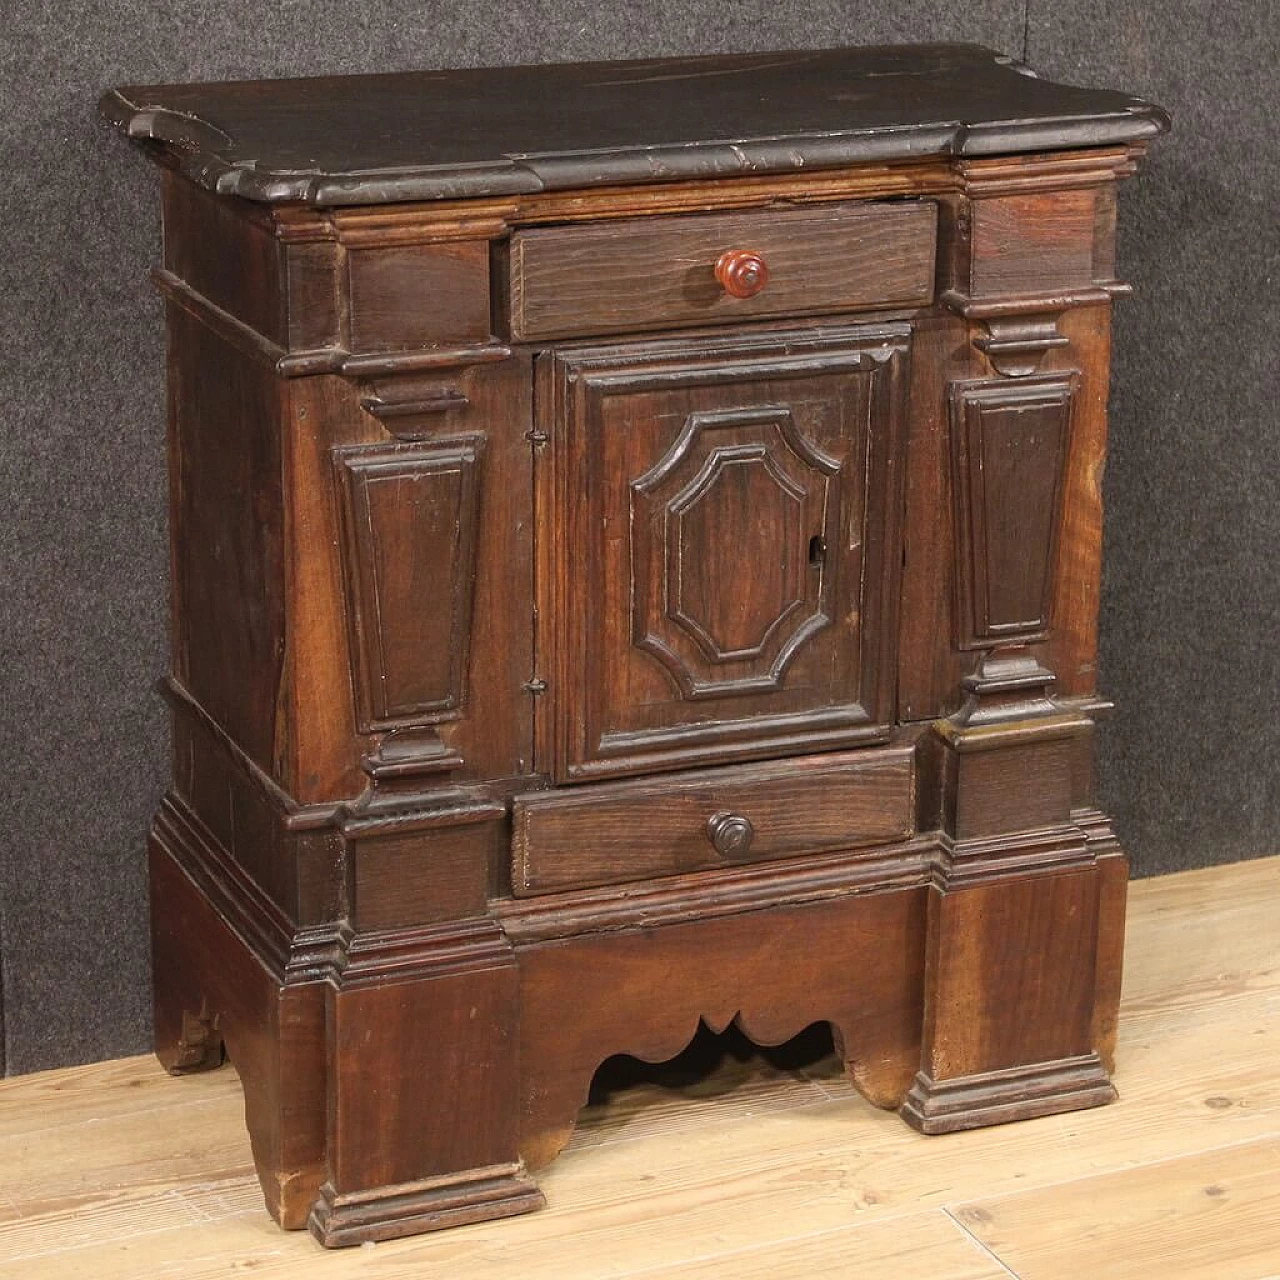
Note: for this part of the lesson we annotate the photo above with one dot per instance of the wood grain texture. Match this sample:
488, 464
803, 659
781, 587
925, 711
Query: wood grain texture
1072, 651
227, 551
435, 874
716, 972
1009, 439
615, 832
227, 252
1025, 243
654, 273
399, 292
504, 130
410, 516
912, 1247
272, 1031
118, 1170
1041, 937
639, 430
489, 587
1211, 1216
1022, 788
929, 671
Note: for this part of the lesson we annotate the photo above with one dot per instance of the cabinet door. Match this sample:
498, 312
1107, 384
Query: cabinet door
720, 547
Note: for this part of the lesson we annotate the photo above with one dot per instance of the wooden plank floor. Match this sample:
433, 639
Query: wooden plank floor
755, 1169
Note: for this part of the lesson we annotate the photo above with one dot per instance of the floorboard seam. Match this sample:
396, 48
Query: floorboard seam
980, 1245
116, 1118
1036, 1188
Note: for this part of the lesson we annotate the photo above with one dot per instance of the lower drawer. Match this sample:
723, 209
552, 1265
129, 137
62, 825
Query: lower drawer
616, 832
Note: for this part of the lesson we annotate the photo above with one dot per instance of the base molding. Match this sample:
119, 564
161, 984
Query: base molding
1017, 1093
916, 978
454, 1200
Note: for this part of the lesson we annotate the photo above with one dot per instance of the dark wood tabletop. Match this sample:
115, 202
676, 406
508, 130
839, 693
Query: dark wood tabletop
432, 135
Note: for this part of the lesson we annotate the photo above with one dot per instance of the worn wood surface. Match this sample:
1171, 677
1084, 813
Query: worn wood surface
719, 817
777, 450
754, 1167
1210, 1215
452, 448
534, 468
493, 131
655, 273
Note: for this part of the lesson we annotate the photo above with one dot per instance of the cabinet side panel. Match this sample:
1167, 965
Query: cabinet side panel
1071, 652
220, 249
227, 533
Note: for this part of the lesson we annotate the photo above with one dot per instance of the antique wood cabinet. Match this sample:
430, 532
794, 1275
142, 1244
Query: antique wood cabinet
636, 538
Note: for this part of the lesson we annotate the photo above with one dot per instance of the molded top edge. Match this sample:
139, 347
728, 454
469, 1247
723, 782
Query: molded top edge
494, 131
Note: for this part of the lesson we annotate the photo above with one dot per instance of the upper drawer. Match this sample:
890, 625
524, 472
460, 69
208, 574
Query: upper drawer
614, 832
655, 273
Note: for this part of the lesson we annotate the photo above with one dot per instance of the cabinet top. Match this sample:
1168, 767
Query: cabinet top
444, 135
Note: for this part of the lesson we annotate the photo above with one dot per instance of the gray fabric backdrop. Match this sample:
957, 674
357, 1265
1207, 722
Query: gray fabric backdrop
1190, 761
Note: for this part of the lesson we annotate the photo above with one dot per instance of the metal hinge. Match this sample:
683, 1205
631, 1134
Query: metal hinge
536, 437
535, 686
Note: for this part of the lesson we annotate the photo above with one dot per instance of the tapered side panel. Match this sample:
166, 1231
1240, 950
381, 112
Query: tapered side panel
1009, 443
409, 518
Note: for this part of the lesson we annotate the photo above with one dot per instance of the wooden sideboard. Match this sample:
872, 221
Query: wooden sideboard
635, 558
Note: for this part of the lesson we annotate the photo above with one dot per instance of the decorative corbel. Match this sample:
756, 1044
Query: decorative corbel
1016, 345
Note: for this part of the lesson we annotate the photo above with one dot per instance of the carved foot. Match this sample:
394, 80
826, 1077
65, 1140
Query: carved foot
273, 1029
387, 1213
199, 1046
885, 1074
996, 1097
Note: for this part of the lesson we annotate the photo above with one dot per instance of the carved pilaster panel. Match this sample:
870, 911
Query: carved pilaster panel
1009, 447
410, 513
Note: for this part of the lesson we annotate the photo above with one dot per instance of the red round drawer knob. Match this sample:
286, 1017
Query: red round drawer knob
742, 273
731, 834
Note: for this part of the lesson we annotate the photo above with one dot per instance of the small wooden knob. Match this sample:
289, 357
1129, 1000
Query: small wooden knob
742, 273
731, 833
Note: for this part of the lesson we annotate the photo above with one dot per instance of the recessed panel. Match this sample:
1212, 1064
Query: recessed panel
410, 514
1010, 440
725, 527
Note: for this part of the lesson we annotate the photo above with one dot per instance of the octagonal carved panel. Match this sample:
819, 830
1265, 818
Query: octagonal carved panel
727, 533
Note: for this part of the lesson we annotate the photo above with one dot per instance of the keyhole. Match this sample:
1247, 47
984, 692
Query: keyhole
817, 550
